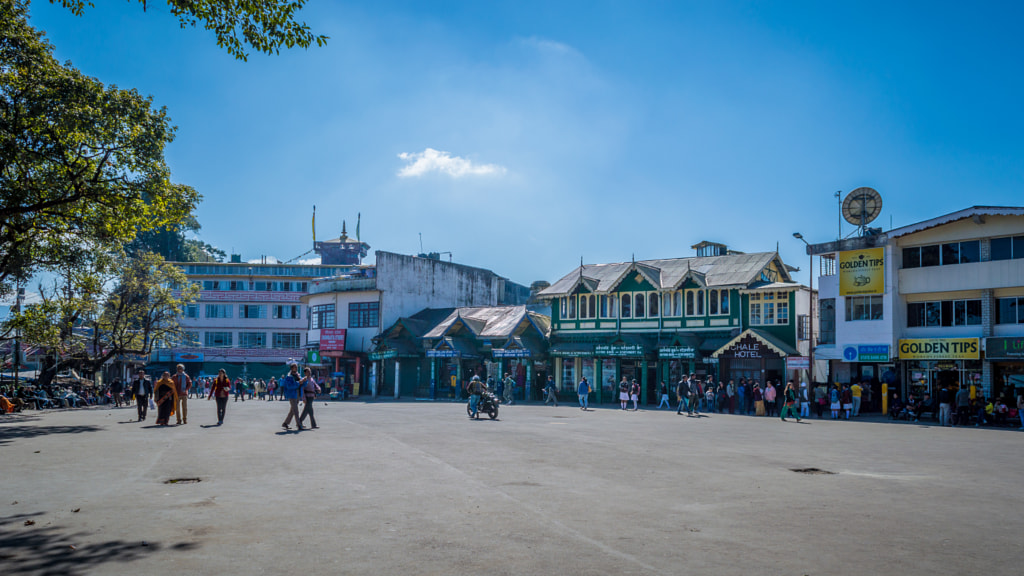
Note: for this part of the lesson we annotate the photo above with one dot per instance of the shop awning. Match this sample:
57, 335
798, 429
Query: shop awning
402, 347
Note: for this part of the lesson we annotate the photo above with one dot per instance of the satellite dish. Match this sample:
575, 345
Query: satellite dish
862, 206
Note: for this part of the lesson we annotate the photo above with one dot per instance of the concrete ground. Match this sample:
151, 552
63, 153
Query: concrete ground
417, 488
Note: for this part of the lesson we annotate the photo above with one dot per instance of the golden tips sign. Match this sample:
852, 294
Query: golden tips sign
940, 349
862, 272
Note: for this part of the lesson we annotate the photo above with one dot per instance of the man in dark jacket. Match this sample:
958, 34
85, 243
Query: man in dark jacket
141, 387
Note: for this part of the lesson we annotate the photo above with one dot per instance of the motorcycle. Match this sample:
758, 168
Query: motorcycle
488, 404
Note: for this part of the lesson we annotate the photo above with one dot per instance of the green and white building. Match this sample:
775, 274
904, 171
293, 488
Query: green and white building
722, 313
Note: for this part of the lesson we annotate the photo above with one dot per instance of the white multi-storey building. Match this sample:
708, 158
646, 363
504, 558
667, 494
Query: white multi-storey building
936, 303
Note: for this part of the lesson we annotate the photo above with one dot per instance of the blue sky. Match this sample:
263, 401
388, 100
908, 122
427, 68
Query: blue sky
594, 129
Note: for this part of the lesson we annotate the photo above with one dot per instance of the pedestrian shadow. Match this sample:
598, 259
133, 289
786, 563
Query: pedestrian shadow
43, 550
287, 432
10, 433
209, 425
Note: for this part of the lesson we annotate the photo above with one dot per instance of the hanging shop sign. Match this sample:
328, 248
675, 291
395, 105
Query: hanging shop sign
677, 353
188, 357
940, 349
332, 339
798, 363
510, 353
383, 354
866, 353
1004, 348
622, 351
862, 272
312, 356
443, 354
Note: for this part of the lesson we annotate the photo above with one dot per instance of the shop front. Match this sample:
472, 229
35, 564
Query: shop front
929, 364
518, 362
870, 365
753, 355
624, 360
572, 361
1006, 355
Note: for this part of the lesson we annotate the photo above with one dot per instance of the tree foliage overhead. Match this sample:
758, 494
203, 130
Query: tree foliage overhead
81, 164
263, 25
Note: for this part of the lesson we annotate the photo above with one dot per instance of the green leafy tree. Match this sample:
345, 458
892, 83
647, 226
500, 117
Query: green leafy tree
110, 307
81, 164
263, 25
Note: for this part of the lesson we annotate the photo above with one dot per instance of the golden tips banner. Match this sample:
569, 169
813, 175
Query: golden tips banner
940, 349
862, 272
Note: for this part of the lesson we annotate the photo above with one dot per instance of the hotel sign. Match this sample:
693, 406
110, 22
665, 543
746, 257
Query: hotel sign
940, 349
1004, 348
862, 272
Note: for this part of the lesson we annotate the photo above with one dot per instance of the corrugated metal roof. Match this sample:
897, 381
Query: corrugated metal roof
958, 215
712, 271
490, 321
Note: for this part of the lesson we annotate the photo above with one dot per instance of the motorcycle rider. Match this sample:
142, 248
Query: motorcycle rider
475, 389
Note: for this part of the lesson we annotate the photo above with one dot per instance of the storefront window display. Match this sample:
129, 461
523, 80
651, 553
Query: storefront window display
569, 375
609, 382
1008, 380
927, 376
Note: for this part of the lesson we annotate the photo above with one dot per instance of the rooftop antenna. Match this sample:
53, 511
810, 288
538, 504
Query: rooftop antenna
421, 242
838, 195
861, 207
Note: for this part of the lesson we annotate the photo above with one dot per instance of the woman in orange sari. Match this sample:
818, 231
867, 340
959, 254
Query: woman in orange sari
166, 395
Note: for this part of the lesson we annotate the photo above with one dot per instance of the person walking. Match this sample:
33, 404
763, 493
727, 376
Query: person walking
116, 389
758, 399
623, 393
220, 389
583, 390
552, 391
730, 394
290, 387
683, 394
510, 389
271, 388
634, 394
695, 393
741, 396
834, 403
663, 390
182, 386
820, 399
166, 397
789, 395
141, 387
805, 401
963, 406
309, 391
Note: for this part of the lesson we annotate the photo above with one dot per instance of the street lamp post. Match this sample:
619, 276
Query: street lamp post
810, 328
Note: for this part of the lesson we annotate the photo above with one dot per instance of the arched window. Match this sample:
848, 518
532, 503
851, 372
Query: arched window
689, 304
613, 306
666, 304
604, 306
572, 307
640, 305
563, 310
626, 305
700, 302
592, 306
652, 305
713, 302
724, 296
677, 303
583, 307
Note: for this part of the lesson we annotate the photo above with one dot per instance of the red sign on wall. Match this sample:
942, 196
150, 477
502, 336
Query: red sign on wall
332, 339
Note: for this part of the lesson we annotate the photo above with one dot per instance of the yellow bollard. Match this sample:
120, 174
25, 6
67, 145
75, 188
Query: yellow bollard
885, 398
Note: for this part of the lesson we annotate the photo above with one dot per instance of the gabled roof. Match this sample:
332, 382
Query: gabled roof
666, 274
491, 321
972, 212
766, 338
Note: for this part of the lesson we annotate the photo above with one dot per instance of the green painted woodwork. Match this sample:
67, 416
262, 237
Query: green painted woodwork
630, 284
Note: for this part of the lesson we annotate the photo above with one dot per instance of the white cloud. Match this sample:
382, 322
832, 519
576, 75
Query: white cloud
431, 160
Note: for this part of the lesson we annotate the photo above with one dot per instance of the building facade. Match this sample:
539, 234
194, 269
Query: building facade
929, 305
249, 319
722, 313
346, 312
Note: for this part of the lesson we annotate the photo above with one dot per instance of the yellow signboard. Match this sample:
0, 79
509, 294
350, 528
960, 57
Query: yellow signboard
862, 272
940, 349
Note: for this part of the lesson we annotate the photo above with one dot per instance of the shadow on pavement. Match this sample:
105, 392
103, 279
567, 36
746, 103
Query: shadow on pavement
44, 550
10, 433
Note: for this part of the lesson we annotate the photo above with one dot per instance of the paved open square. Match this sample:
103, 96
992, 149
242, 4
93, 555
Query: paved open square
417, 488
